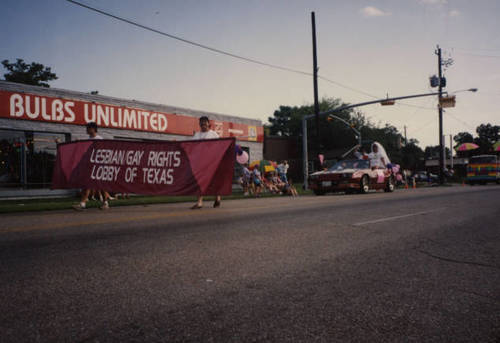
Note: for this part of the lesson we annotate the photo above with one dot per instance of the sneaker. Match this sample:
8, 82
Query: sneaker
104, 206
78, 207
216, 204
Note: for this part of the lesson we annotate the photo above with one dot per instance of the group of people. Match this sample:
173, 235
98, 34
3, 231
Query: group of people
254, 182
378, 157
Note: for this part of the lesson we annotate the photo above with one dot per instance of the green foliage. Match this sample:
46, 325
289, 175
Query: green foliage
412, 155
487, 135
432, 152
31, 74
336, 136
463, 137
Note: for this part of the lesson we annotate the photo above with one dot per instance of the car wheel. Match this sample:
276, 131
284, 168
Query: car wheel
389, 187
319, 192
364, 184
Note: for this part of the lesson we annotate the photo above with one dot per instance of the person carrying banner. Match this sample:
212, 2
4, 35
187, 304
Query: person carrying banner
205, 133
92, 132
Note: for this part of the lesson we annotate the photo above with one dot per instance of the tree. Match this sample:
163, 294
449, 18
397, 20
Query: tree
432, 152
287, 121
31, 74
487, 135
412, 155
463, 137
336, 136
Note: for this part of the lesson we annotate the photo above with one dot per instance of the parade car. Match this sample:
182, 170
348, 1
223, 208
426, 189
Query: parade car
351, 176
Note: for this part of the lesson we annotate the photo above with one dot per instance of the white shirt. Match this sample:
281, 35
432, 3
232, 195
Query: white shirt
96, 137
376, 160
283, 168
206, 135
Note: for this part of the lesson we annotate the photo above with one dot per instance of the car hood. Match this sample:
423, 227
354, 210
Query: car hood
327, 172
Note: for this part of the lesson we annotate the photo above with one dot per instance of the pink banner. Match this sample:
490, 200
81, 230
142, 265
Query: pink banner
158, 168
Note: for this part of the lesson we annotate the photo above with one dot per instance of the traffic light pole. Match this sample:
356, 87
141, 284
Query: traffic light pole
305, 153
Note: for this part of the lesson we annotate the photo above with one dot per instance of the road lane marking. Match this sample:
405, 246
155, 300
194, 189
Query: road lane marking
380, 220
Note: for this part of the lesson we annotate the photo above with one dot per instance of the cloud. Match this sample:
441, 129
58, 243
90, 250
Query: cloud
434, 2
371, 11
454, 13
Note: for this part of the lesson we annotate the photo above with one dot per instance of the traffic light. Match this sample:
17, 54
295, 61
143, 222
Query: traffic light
434, 81
387, 102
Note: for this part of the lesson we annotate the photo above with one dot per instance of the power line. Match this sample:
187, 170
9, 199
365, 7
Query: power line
219, 51
461, 121
473, 49
216, 50
227, 53
478, 55
424, 126
347, 87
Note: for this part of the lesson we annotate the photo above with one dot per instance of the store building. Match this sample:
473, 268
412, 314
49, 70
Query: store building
33, 119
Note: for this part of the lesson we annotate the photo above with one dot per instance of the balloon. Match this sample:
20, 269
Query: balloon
242, 158
238, 149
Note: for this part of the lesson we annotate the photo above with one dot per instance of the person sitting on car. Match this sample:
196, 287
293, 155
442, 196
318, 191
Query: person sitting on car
378, 157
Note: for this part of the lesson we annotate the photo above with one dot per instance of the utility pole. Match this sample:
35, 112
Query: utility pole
315, 83
440, 109
451, 152
305, 154
406, 140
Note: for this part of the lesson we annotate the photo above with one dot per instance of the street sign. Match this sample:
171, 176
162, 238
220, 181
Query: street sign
448, 101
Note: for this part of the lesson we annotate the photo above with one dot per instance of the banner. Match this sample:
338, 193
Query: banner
26, 106
201, 167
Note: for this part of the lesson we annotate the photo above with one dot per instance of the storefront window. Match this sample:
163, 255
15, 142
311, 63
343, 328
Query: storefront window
11, 158
41, 150
27, 158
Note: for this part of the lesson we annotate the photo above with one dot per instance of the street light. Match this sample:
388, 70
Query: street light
473, 90
331, 117
387, 101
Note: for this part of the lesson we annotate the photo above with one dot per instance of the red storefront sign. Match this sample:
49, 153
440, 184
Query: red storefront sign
27, 106
159, 168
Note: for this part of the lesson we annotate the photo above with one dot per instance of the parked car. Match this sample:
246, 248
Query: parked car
422, 176
351, 176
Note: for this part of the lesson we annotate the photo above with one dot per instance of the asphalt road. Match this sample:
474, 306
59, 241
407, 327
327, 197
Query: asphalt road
415, 265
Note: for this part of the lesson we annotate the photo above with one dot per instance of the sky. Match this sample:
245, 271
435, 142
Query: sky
375, 47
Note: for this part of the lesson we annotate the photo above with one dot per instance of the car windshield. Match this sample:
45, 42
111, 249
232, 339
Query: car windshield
483, 159
350, 164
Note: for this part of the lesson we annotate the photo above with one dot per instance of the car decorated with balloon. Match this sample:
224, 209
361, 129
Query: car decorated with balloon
351, 176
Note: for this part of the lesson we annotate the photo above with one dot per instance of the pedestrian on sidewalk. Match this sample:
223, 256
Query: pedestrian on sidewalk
84, 197
205, 133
